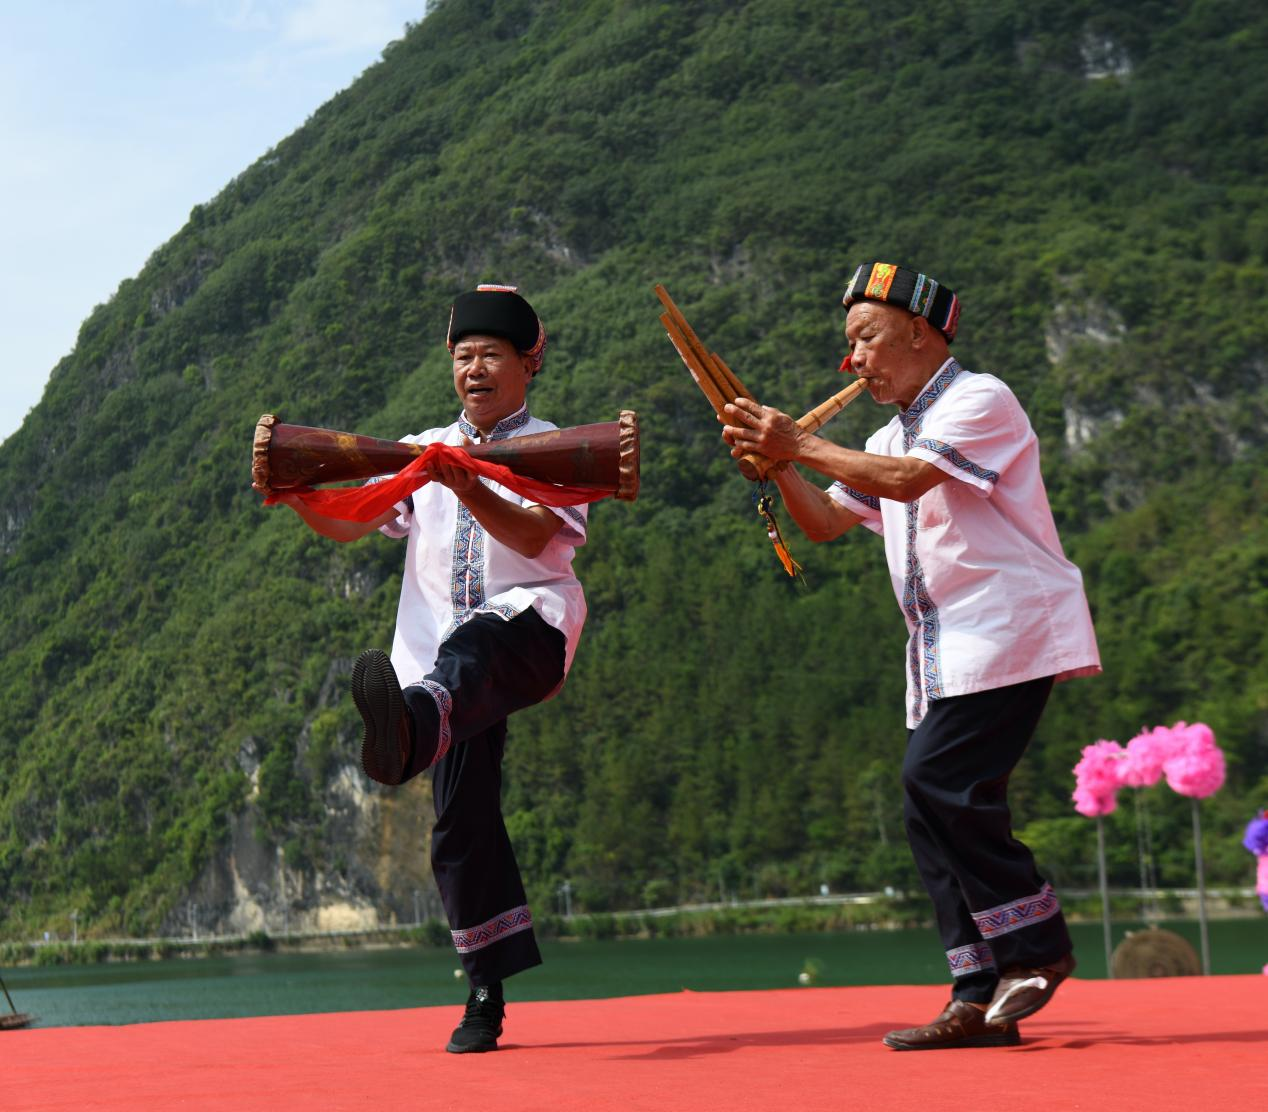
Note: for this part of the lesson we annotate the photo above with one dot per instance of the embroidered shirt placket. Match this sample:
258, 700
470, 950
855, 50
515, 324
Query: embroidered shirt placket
468, 574
475, 530
922, 657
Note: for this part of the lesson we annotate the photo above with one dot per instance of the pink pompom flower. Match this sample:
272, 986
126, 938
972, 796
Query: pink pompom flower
1195, 766
1096, 780
1092, 805
1146, 753
1096, 769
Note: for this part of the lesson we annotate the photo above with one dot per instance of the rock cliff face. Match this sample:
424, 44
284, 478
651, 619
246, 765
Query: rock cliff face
372, 868
1088, 323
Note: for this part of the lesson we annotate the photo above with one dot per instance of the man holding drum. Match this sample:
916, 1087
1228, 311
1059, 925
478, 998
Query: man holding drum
489, 617
995, 615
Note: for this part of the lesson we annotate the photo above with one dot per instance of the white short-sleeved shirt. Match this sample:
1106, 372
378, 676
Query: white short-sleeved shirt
455, 570
988, 594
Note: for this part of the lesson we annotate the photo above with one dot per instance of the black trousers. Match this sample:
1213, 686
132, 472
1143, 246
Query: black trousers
993, 908
487, 669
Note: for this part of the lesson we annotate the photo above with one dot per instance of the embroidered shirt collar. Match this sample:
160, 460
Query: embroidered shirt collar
932, 391
501, 430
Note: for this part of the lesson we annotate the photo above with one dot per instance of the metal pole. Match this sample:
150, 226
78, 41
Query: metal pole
1141, 857
1105, 907
1197, 856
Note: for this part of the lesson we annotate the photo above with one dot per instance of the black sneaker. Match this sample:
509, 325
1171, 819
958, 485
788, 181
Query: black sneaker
386, 743
481, 1024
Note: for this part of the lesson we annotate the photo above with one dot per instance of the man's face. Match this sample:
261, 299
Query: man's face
884, 344
490, 378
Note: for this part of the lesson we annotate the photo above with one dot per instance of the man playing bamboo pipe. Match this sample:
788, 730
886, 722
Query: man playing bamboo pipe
995, 615
489, 617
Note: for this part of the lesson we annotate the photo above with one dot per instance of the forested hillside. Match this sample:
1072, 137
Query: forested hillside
1089, 178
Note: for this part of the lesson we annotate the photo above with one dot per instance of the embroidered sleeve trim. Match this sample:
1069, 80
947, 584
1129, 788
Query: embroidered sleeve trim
951, 455
499, 927
868, 500
393, 529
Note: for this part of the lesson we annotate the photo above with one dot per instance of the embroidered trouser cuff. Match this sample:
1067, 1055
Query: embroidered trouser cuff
487, 669
490, 668
993, 908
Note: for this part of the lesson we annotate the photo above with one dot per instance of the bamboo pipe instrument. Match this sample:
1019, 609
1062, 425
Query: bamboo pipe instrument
728, 376
714, 377
825, 411
721, 385
809, 422
716, 380
704, 378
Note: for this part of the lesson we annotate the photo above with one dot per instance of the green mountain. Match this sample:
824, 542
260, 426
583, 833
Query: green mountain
177, 746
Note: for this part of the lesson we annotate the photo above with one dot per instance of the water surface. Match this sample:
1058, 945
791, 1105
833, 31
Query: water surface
369, 980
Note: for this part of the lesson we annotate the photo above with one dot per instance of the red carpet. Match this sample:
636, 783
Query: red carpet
1184, 1043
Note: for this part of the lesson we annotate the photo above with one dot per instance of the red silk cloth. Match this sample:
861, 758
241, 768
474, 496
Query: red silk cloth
365, 503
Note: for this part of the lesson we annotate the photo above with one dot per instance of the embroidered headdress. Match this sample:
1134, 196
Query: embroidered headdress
491, 310
915, 292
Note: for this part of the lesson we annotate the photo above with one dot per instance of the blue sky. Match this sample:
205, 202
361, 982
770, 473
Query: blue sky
118, 116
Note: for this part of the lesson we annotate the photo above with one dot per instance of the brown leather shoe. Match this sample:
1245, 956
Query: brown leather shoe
960, 1024
1022, 992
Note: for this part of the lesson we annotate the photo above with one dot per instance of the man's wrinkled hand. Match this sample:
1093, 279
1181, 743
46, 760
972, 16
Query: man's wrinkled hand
454, 476
761, 430
458, 479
